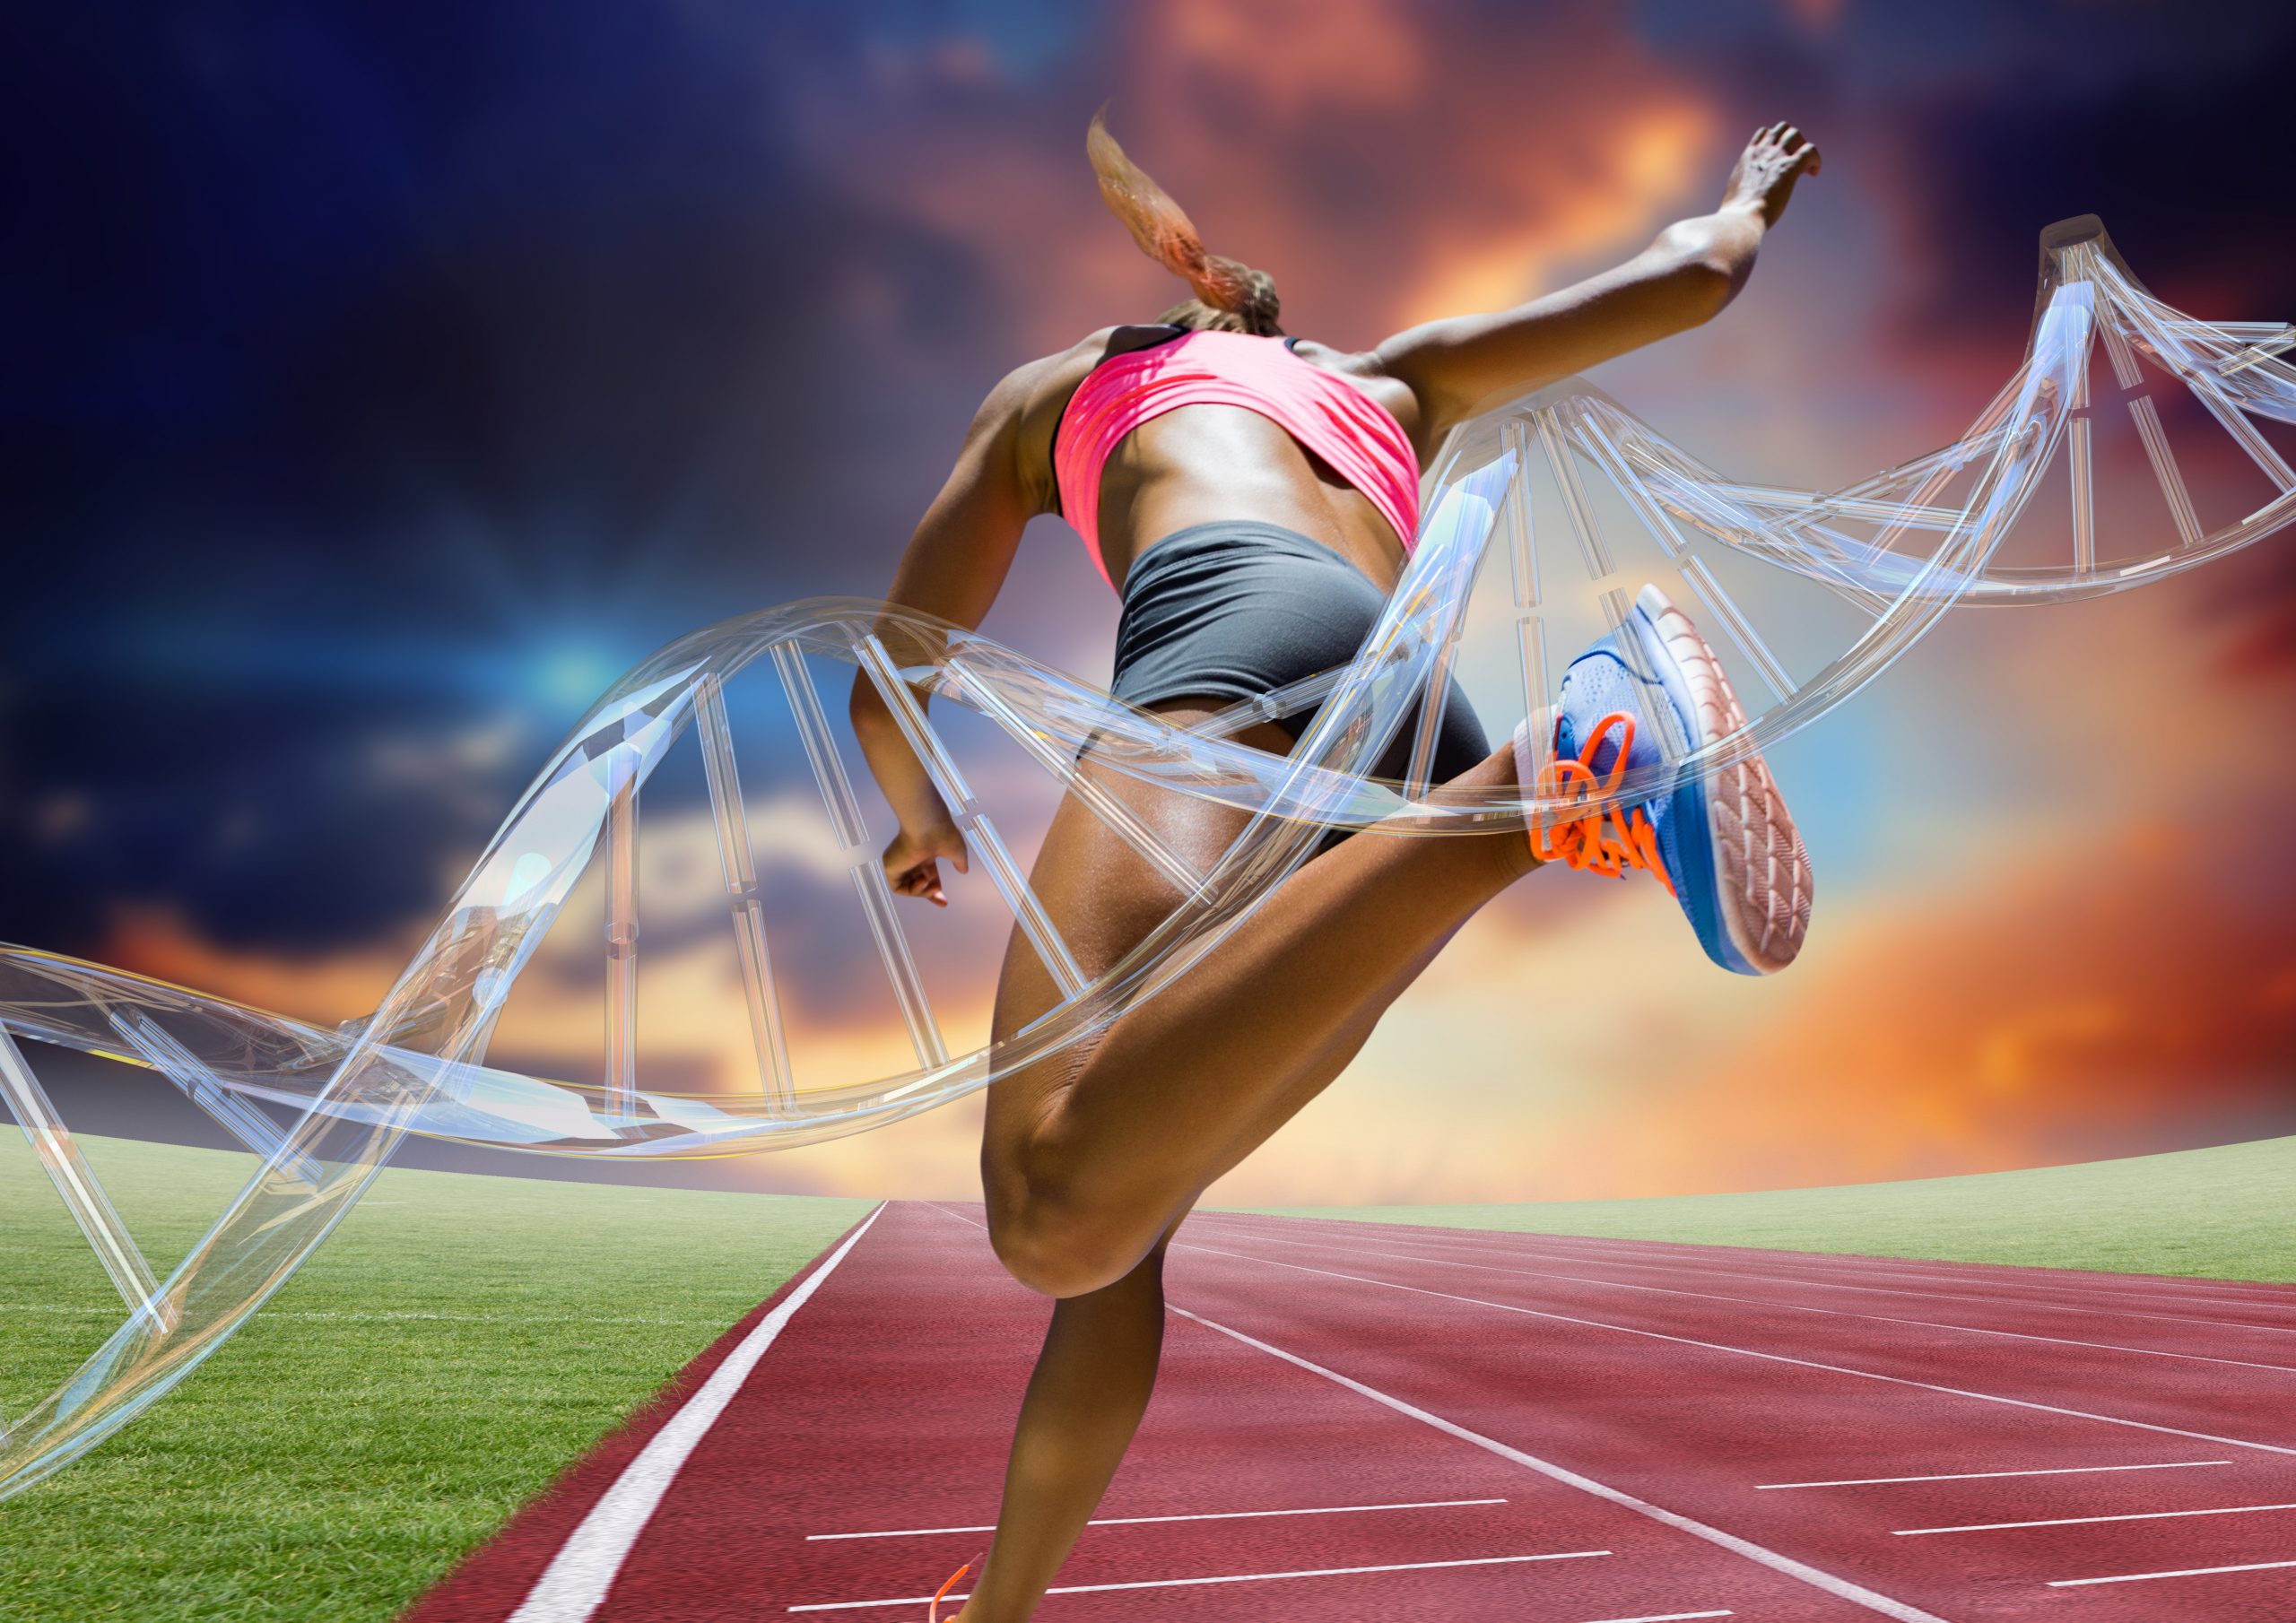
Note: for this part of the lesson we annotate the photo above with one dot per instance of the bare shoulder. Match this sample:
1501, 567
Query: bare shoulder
1371, 371
1361, 364
1029, 400
1037, 389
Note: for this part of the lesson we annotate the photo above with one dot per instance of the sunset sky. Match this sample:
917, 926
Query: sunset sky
387, 381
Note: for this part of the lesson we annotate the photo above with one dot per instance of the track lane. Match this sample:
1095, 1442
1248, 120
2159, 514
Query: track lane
885, 1404
1449, 1436
1735, 1419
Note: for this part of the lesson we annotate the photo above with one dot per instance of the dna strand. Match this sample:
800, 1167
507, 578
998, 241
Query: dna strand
1811, 594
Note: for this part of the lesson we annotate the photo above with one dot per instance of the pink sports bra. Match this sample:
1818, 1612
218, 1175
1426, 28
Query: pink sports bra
1355, 434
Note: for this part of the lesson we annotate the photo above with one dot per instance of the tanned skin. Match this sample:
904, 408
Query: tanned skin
1089, 1159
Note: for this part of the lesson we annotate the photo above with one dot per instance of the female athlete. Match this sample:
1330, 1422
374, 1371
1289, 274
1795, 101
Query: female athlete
1252, 498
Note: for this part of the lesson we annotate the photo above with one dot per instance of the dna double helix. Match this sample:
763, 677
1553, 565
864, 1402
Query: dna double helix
1543, 515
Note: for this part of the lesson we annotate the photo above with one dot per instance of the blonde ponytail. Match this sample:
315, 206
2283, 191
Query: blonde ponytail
1229, 296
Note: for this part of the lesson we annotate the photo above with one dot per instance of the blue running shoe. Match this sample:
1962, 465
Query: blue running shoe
1723, 844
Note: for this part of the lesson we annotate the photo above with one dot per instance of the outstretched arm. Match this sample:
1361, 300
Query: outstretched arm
956, 562
1685, 278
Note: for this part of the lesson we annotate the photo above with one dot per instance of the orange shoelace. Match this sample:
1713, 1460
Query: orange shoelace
934, 1613
1602, 842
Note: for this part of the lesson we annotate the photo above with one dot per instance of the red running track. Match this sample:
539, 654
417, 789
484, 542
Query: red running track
1359, 1421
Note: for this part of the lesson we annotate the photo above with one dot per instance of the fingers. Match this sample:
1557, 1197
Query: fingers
922, 881
1788, 137
912, 863
1787, 142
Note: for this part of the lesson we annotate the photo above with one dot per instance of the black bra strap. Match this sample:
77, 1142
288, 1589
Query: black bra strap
1061, 416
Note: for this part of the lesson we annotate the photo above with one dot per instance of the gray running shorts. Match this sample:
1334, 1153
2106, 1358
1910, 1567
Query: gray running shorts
1235, 607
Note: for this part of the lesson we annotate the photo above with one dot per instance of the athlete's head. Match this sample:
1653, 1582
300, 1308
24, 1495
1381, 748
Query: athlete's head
1229, 298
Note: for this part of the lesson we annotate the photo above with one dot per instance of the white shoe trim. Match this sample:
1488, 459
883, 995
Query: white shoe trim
1761, 868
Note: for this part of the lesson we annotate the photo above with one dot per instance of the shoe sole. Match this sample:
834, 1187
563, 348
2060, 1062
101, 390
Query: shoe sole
1762, 870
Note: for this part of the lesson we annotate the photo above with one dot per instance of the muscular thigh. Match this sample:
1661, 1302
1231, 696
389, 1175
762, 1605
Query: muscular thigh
1105, 899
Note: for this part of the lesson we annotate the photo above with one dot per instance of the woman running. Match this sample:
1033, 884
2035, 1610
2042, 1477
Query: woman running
1252, 498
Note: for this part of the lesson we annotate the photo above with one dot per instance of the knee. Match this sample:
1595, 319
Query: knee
1060, 1248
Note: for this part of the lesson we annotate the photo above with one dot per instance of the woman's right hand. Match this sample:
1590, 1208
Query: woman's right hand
913, 860
1773, 160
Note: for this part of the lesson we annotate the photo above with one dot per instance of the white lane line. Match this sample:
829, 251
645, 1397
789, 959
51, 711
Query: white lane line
1714, 1260
1207, 1515
1841, 1587
1238, 1577
2258, 1293
1749, 1352
2187, 1571
1972, 1476
578, 1575
1667, 1617
2006, 1276
1774, 1307
1707, 1269
2136, 1515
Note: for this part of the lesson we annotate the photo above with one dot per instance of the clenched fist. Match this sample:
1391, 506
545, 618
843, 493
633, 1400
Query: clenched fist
913, 861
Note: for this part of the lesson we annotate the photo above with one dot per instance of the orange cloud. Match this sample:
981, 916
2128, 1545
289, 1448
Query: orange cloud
1649, 161
1336, 56
2021, 1018
1385, 163
325, 989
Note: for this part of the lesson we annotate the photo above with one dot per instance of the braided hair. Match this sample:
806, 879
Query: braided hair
1229, 297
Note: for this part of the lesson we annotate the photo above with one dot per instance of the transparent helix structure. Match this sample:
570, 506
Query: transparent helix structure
1542, 517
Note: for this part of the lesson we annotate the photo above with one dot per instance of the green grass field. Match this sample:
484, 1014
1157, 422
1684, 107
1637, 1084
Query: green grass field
450, 1349
2222, 1213
461, 1340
